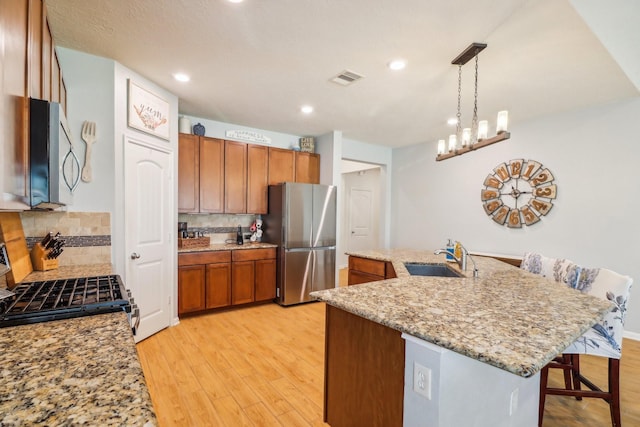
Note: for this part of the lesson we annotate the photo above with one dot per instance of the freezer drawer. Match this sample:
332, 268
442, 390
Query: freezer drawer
304, 271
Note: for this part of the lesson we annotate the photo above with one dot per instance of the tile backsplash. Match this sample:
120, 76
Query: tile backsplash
87, 234
219, 227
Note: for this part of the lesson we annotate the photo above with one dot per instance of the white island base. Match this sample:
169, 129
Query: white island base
443, 388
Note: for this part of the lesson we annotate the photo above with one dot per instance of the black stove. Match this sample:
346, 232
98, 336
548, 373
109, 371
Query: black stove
48, 300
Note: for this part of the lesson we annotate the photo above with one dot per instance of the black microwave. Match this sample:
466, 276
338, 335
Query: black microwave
54, 168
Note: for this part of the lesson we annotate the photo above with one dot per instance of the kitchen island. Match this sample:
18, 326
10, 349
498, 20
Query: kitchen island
80, 371
508, 320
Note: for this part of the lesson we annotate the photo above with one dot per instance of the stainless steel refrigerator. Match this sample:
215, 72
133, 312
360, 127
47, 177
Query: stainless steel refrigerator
302, 222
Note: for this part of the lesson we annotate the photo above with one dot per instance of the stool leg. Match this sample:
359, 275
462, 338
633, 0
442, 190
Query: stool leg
567, 360
544, 375
614, 389
575, 363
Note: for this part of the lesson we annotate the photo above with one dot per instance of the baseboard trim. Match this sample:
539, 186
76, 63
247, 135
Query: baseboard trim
632, 335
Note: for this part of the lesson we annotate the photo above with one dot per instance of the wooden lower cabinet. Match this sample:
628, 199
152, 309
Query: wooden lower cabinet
242, 282
364, 270
254, 275
191, 288
265, 279
218, 285
204, 281
364, 372
215, 279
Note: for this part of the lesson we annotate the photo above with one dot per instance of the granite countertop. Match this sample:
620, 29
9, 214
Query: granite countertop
229, 247
70, 272
82, 371
507, 317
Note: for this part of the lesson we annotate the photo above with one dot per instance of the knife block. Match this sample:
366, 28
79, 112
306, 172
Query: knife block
39, 259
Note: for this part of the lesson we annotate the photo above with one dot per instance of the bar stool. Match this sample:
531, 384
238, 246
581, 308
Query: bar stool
603, 339
562, 271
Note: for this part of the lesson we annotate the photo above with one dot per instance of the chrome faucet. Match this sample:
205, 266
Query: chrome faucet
462, 261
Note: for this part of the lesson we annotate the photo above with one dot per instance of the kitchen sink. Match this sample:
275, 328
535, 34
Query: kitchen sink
438, 270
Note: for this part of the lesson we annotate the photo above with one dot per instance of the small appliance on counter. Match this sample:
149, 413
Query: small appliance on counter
239, 237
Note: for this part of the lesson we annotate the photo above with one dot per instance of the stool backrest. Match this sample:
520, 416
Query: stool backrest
605, 338
559, 269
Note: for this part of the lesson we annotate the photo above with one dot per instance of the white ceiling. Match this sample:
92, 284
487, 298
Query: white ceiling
256, 63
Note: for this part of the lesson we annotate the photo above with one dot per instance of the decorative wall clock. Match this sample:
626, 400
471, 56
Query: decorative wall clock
518, 191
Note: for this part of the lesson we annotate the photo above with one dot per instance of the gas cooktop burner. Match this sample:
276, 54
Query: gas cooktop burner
63, 299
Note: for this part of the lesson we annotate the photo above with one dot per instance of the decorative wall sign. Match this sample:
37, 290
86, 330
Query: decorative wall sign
147, 112
247, 135
519, 191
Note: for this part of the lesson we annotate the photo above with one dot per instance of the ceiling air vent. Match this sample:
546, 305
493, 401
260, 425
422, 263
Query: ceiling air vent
346, 77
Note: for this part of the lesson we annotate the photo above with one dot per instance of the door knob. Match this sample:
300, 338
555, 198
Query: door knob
135, 255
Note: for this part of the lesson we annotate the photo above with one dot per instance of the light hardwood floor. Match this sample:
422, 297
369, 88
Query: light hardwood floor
263, 366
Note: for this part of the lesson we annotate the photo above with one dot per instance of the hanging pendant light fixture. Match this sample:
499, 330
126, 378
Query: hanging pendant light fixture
476, 136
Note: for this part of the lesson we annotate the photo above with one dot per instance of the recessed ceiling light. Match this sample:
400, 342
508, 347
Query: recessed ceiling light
181, 77
306, 109
397, 64
452, 121
235, 1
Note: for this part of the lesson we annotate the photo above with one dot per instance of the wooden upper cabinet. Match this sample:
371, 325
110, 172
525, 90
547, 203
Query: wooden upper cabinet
188, 173
257, 179
211, 175
34, 49
307, 167
47, 60
235, 177
56, 77
281, 165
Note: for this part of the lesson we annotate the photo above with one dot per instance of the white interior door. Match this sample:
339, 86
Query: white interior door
148, 207
361, 225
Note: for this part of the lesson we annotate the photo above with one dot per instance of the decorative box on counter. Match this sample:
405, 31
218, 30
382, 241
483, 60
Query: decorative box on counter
194, 242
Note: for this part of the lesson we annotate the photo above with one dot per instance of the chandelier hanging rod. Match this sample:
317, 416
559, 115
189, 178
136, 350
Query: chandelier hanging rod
469, 53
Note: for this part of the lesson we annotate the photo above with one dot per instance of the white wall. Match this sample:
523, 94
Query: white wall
216, 129
383, 157
90, 85
97, 91
593, 154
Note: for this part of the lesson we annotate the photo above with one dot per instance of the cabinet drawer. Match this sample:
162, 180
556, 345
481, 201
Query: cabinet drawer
253, 254
367, 265
199, 258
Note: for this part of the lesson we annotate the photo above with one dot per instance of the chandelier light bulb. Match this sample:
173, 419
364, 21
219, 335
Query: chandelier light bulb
466, 137
483, 129
441, 147
503, 120
453, 140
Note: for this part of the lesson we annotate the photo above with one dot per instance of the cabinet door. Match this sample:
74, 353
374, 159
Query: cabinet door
188, 173
265, 279
47, 50
191, 289
218, 285
281, 165
257, 178
235, 177
242, 282
211, 175
307, 167
34, 60
14, 102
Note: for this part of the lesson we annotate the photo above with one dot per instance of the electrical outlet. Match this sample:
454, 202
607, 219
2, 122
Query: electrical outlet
422, 380
513, 405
